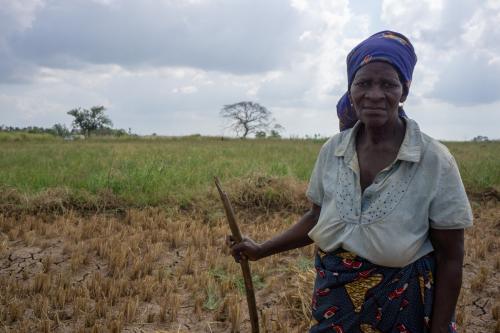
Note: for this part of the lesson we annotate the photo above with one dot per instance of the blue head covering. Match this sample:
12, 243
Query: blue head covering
391, 47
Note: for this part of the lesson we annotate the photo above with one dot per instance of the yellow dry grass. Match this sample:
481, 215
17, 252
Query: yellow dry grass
169, 271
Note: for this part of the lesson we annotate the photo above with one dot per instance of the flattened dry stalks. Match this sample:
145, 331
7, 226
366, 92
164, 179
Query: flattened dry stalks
105, 273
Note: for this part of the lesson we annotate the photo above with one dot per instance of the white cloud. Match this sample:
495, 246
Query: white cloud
482, 30
18, 15
185, 90
238, 37
169, 66
445, 121
456, 46
30, 110
105, 2
15, 17
415, 16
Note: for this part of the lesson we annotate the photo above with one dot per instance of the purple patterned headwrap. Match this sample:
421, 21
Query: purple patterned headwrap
389, 46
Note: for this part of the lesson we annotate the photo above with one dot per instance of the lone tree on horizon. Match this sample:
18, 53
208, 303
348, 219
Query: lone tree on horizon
90, 120
247, 117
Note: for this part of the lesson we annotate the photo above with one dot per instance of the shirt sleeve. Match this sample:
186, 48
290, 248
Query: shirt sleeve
450, 208
315, 191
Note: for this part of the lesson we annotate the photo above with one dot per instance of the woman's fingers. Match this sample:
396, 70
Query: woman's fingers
246, 249
237, 249
230, 241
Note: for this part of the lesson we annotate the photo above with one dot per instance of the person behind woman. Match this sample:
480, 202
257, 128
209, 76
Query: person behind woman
388, 208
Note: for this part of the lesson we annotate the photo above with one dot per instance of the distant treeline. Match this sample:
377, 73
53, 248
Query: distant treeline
62, 131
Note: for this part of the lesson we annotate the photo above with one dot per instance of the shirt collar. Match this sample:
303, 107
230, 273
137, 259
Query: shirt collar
410, 150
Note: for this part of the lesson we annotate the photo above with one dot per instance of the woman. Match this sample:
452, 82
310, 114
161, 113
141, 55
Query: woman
388, 208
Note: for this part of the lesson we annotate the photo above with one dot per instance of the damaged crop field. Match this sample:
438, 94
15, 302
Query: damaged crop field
127, 235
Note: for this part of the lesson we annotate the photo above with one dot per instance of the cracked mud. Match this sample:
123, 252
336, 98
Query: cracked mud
152, 272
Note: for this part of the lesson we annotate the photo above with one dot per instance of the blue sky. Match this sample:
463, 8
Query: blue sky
168, 66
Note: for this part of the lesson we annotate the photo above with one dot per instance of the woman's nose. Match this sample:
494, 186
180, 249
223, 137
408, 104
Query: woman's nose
375, 92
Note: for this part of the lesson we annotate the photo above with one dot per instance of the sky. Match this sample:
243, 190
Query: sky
169, 66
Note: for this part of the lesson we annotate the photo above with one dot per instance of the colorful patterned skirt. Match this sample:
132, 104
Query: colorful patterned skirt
353, 295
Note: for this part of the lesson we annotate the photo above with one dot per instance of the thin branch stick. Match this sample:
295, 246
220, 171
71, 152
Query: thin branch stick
245, 267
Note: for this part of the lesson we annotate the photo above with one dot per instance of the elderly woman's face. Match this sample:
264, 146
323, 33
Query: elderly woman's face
376, 93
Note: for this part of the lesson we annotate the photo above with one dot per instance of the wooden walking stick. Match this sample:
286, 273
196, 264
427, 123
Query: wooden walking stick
245, 267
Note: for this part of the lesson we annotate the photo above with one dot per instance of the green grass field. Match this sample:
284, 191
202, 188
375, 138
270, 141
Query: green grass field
81, 251
151, 171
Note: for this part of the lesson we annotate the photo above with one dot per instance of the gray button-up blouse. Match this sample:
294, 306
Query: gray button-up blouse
389, 222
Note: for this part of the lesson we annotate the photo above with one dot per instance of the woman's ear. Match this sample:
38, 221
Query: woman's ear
405, 93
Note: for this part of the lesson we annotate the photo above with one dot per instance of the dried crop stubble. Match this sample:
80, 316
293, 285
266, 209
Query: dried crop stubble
133, 277
153, 270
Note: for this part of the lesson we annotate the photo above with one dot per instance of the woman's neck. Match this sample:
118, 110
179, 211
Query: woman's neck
391, 133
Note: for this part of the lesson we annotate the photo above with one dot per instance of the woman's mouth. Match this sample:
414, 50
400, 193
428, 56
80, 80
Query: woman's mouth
374, 110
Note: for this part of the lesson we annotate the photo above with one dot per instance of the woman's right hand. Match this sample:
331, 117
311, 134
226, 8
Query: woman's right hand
294, 237
247, 249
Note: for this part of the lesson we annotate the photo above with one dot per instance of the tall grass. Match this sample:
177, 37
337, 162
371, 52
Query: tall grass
151, 171
479, 164
23, 136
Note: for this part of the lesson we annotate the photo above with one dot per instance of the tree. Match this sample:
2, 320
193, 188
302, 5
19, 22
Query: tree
90, 120
60, 130
480, 138
276, 131
260, 134
247, 117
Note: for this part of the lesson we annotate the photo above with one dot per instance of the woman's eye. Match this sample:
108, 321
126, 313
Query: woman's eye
361, 83
389, 85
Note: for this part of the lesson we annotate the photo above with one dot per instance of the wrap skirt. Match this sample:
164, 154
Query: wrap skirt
353, 295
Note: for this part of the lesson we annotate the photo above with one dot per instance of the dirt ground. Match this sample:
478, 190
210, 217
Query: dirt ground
157, 271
